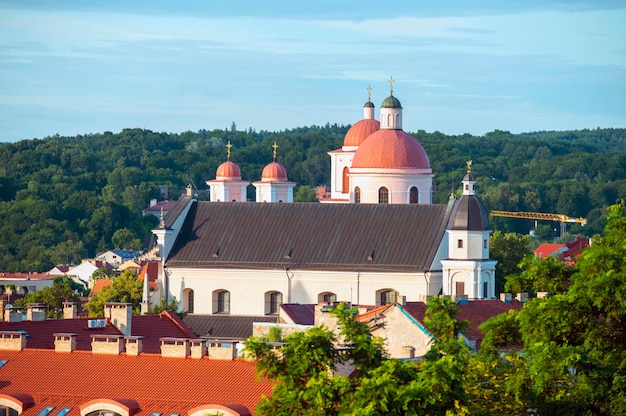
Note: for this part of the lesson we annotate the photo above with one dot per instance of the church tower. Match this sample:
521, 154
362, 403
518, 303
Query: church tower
227, 185
390, 166
341, 159
468, 270
274, 186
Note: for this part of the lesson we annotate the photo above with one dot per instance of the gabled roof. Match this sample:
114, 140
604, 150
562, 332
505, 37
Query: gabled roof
224, 326
150, 382
548, 249
475, 311
375, 237
98, 285
151, 327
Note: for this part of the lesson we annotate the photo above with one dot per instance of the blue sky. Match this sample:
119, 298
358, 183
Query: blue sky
76, 67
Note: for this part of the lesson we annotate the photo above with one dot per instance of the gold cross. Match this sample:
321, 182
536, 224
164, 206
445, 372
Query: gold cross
228, 146
469, 166
275, 146
391, 81
369, 93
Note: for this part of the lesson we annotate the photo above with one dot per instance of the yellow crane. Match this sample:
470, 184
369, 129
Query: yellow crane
562, 218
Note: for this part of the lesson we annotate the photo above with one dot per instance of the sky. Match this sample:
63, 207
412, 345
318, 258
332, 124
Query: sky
80, 67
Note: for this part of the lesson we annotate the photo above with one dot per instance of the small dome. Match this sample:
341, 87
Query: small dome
228, 170
391, 102
470, 214
274, 172
361, 131
369, 104
392, 149
468, 178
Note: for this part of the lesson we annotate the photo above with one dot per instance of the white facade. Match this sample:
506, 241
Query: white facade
397, 182
267, 191
249, 290
231, 190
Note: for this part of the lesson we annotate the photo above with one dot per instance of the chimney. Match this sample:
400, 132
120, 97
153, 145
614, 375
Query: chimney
134, 345
522, 297
12, 340
70, 310
121, 315
220, 349
36, 312
198, 348
64, 342
12, 314
107, 344
153, 202
175, 347
3, 304
506, 297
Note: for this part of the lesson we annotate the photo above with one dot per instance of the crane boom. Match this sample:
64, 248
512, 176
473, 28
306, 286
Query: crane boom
539, 216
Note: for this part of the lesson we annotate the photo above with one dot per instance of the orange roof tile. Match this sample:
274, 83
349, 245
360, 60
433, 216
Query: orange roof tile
153, 383
99, 285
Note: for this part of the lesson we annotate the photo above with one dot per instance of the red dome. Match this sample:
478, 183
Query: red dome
274, 171
361, 131
228, 169
393, 149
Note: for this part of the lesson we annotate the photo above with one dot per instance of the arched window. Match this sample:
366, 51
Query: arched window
383, 195
414, 196
346, 181
387, 296
273, 300
221, 301
389, 118
327, 297
397, 120
357, 195
189, 300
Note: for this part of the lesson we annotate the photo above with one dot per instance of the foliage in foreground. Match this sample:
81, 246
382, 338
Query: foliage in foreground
570, 356
124, 288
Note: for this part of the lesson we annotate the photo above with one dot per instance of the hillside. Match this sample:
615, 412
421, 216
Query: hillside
64, 198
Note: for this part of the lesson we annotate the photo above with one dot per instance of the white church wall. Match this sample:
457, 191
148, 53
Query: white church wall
398, 182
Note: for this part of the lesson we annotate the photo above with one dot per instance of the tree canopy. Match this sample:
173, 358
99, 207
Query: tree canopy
124, 288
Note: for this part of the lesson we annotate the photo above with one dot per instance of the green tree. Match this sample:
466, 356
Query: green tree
124, 288
573, 341
63, 289
125, 238
307, 383
508, 249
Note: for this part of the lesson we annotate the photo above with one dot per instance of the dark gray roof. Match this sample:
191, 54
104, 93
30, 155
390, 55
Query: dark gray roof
384, 237
175, 211
469, 214
224, 326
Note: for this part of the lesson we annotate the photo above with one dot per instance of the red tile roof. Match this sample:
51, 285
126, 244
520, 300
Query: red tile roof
547, 249
99, 285
151, 327
475, 311
148, 382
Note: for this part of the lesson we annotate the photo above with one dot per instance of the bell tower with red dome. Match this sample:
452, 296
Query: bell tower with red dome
341, 159
390, 166
227, 185
274, 185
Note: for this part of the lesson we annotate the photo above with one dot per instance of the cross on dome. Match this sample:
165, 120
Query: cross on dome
369, 92
391, 81
228, 146
275, 146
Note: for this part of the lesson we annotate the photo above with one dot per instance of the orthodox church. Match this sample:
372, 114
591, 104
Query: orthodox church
378, 240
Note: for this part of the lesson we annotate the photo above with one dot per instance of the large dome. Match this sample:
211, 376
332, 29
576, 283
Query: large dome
274, 172
391, 149
228, 170
360, 131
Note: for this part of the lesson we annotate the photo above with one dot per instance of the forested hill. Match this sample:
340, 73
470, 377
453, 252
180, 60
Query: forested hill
64, 198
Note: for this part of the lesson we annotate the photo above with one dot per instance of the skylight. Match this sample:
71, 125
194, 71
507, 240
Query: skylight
3, 362
63, 411
45, 411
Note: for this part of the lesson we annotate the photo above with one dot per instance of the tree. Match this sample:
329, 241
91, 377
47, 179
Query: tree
304, 370
124, 288
125, 238
62, 290
508, 249
573, 340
